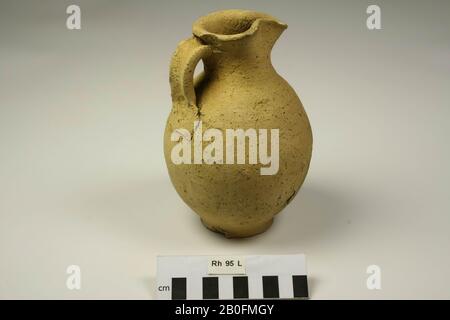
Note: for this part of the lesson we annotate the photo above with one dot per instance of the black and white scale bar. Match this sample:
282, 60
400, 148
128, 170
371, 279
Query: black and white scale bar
264, 277
270, 287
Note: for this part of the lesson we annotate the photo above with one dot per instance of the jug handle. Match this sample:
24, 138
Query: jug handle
182, 67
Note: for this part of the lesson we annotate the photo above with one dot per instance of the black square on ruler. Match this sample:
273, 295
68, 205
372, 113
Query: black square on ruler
178, 288
300, 284
210, 288
270, 287
240, 287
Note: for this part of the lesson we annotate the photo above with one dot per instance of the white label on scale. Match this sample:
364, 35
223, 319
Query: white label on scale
226, 265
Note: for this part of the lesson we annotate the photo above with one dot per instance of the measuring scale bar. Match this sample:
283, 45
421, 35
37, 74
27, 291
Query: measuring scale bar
231, 277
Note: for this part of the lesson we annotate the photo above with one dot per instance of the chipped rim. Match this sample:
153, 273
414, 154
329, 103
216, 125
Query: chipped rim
199, 28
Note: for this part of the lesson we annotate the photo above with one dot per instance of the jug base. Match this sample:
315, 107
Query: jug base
241, 232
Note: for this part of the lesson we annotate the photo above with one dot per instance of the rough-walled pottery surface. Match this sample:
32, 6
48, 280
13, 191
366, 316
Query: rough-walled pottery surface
239, 88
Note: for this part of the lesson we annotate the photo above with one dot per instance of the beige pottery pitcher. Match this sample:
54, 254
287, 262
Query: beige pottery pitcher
239, 89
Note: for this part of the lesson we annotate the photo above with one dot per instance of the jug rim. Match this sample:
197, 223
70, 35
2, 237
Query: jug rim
229, 25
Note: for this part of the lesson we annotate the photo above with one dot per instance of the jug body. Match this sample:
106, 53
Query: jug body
238, 142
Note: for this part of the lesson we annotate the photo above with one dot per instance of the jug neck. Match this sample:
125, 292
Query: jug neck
240, 40
246, 61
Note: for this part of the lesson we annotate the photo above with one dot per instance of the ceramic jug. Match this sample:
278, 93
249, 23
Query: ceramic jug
238, 90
